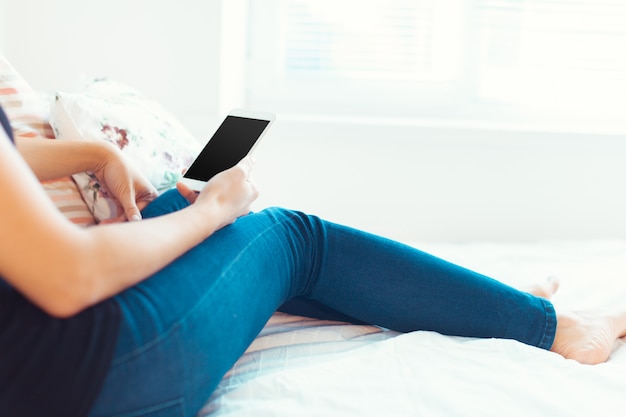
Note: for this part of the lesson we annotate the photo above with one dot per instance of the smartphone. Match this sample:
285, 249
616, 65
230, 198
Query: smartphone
237, 136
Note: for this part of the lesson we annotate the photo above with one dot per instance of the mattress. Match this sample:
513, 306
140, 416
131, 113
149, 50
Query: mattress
299, 366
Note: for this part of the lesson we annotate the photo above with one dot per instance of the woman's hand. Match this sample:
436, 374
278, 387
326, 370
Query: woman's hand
125, 183
232, 191
51, 159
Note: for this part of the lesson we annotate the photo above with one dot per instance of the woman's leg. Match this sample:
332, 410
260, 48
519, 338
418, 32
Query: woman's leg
384, 282
184, 327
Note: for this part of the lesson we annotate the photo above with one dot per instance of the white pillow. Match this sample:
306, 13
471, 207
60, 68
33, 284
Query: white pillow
149, 136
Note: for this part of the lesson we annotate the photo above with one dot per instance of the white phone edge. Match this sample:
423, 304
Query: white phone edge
198, 185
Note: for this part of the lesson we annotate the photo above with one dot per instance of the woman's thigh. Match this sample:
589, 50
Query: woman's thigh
184, 327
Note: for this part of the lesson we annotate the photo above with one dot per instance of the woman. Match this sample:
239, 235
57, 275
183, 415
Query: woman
145, 317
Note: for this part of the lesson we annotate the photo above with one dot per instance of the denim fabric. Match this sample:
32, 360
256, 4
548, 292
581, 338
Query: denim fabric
184, 327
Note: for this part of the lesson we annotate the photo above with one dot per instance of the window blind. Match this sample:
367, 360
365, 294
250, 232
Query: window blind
359, 39
553, 52
501, 60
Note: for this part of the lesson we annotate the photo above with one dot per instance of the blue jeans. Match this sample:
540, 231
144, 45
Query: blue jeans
184, 327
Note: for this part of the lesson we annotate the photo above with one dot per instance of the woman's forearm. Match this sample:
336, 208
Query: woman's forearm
120, 255
63, 268
52, 159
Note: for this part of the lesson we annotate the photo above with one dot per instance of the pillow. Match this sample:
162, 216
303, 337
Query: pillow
150, 137
28, 113
69, 201
27, 109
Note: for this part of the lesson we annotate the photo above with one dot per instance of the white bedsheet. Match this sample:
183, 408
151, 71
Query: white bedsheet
304, 367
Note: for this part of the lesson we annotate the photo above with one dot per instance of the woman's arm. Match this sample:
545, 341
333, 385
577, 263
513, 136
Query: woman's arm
63, 268
52, 159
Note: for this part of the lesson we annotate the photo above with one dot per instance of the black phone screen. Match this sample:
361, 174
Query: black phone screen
230, 144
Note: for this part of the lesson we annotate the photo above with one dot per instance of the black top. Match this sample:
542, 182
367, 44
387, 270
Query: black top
49, 366
5, 124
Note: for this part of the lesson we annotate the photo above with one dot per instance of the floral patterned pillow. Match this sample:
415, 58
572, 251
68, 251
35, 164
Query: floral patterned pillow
149, 136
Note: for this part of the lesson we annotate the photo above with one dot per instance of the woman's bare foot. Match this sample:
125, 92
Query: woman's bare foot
545, 289
588, 338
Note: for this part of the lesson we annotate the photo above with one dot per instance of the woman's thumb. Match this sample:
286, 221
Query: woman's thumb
133, 215
131, 210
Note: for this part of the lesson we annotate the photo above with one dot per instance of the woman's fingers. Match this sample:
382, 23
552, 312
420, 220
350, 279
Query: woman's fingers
247, 164
186, 192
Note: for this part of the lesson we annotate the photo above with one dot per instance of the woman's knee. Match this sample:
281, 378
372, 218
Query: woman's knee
298, 220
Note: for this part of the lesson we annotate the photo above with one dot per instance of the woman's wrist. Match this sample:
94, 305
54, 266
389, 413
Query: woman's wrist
204, 218
99, 154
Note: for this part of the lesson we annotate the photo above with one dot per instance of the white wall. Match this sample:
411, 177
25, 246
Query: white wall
166, 49
414, 182
2, 29
403, 180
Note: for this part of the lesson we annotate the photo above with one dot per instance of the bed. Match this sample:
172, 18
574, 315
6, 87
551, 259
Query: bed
299, 366
306, 367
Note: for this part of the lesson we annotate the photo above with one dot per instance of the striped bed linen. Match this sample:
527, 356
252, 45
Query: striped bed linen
28, 112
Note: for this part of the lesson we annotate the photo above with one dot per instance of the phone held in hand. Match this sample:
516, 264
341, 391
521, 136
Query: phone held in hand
237, 136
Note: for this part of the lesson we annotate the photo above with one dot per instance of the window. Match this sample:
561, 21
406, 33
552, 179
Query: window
549, 55
537, 61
